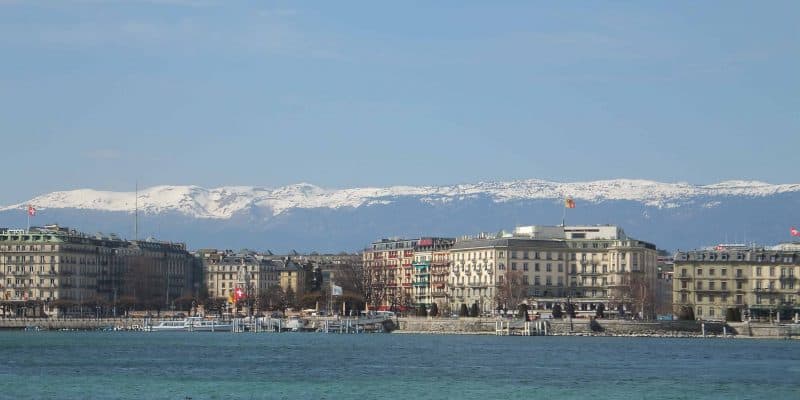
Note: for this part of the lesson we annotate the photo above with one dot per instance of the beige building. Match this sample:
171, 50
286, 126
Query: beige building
227, 271
479, 267
292, 276
762, 283
50, 269
585, 266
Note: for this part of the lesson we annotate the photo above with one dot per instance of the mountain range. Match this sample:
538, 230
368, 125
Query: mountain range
307, 217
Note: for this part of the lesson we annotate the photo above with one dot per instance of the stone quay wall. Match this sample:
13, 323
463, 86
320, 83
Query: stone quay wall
582, 326
72, 323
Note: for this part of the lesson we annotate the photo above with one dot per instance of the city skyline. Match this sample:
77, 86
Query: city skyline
102, 94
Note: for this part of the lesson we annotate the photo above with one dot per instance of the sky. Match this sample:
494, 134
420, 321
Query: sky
106, 93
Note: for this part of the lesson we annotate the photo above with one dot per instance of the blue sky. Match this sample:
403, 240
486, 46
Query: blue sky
102, 93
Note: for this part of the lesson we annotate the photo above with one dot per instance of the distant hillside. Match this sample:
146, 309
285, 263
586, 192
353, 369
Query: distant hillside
307, 217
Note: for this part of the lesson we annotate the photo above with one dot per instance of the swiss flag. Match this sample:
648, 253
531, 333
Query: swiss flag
239, 294
31, 210
794, 231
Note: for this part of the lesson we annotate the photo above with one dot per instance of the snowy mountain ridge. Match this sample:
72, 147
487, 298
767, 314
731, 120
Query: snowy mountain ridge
225, 202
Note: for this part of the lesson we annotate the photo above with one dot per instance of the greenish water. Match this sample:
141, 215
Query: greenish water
110, 365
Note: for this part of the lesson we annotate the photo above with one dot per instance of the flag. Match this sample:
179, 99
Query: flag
794, 231
238, 294
31, 210
336, 290
569, 203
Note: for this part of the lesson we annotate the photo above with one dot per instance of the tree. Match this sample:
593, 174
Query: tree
636, 294
512, 290
600, 311
371, 284
474, 311
522, 310
291, 298
434, 310
464, 311
556, 311
422, 311
310, 300
686, 313
733, 314
184, 302
275, 298
570, 308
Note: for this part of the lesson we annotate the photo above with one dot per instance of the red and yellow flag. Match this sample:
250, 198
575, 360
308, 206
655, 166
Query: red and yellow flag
569, 203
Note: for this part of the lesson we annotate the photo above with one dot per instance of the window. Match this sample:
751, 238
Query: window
699, 272
524, 266
683, 285
724, 272
536, 267
548, 267
536, 280
560, 267
758, 271
711, 272
513, 266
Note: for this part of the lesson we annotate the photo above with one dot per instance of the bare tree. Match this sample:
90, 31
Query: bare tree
369, 284
512, 291
635, 294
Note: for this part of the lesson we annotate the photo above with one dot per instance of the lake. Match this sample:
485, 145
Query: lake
182, 365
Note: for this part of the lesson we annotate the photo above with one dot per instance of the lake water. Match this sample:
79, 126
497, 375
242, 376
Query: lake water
108, 365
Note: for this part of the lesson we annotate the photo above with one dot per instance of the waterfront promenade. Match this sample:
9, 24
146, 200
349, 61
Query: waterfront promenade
474, 326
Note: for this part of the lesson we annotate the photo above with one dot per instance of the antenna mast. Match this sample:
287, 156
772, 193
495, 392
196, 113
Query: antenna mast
136, 214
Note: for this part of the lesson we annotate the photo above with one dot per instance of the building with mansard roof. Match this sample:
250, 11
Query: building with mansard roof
56, 270
756, 282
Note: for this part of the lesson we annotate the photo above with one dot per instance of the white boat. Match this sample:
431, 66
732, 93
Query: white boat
197, 324
168, 326
191, 324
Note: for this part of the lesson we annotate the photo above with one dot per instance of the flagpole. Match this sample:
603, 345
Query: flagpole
28, 213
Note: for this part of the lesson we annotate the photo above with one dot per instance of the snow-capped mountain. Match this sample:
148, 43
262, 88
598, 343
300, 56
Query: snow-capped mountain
349, 218
225, 202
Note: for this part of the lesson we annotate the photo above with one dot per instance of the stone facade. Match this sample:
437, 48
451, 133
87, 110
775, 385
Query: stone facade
762, 283
53, 268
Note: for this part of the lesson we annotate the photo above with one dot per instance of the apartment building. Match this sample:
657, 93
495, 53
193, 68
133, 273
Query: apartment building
431, 268
228, 271
760, 282
51, 269
389, 272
